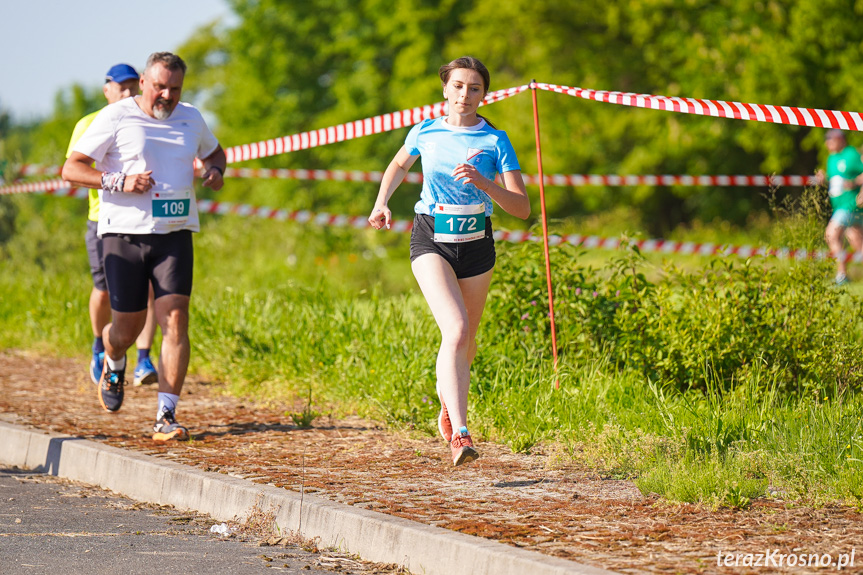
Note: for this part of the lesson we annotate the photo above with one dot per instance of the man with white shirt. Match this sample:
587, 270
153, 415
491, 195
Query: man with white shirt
144, 150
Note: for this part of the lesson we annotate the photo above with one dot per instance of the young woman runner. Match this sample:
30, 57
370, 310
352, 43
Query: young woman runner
452, 246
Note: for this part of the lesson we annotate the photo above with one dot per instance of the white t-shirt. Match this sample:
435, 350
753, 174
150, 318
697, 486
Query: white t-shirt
123, 138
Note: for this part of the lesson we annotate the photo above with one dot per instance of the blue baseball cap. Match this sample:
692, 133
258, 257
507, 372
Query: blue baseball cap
120, 73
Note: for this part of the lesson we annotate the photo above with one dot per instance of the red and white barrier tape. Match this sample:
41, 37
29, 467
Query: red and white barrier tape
351, 130
48, 186
717, 108
682, 248
28, 170
587, 242
57, 188
387, 122
790, 115
578, 180
319, 175
339, 133
574, 180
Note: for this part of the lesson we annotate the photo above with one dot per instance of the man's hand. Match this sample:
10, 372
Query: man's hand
139, 183
213, 178
214, 169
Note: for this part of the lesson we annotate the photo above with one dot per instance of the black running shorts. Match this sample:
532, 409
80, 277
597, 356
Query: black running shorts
468, 259
132, 261
94, 254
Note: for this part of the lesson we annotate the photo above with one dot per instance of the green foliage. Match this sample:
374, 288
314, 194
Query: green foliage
710, 481
8, 212
765, 52
44, 279
756, 442
287, 67
294, 67
692, 328
298, 66
46, 141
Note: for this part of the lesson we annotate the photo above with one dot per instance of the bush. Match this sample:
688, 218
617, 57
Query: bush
8, 212
685, 326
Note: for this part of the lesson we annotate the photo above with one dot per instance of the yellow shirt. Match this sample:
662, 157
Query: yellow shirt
80, 128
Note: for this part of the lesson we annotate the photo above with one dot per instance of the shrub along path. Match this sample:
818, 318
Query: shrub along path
539, 501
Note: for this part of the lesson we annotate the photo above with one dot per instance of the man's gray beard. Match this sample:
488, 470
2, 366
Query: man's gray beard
161, 113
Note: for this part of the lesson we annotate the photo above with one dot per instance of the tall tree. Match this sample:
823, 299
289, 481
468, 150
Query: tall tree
289, 67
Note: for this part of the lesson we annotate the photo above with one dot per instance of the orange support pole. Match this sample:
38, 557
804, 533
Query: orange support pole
545, 231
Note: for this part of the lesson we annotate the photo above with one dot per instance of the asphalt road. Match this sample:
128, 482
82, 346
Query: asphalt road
51, 525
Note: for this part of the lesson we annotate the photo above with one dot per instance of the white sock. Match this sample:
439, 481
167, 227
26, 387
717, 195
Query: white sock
167, 402
118, 365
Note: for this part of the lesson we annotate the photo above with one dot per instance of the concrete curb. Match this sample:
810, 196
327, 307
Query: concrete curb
371, 535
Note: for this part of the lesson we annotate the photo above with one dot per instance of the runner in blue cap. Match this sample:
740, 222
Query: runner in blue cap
121, 81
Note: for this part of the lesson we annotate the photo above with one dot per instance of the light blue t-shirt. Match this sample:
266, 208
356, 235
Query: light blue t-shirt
443, 147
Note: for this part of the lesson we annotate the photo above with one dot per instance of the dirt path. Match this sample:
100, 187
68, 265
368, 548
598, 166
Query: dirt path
529, 501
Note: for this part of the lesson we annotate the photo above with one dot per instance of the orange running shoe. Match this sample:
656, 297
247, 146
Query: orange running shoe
462, 448
444, 425
167, 428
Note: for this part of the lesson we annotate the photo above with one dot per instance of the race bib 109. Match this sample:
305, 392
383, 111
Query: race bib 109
171, 207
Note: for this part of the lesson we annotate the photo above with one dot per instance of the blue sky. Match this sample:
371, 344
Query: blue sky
48, 45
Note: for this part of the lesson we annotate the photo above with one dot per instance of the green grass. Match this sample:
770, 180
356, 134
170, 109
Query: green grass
330, 320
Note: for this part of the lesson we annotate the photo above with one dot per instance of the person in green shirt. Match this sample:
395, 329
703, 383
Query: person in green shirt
843, 179
121, 81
